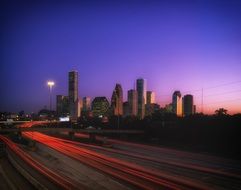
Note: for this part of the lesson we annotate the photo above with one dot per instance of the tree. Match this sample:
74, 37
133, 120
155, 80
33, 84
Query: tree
221, 111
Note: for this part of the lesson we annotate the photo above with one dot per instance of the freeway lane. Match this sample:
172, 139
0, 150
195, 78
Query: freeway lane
31, 166
216, 177
151, 167
110, 166
133, 173
202, 162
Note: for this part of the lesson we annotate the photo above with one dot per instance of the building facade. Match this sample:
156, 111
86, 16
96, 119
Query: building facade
80, 107
86, 104
188, 107
150, 103
150, 97
132, 101
73, 95
126, 109
62, 105
100, 107
117, 101
141, 97
177, 103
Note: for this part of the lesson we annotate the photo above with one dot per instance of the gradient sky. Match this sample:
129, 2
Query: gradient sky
183, 45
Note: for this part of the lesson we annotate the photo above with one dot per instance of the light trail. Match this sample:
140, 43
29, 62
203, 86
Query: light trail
162, 161
60, 181
141, 177
131, 173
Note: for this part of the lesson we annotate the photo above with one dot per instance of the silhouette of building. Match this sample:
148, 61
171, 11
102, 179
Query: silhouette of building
100, 107
188, 107
177, 103
141, 97
80, 107
117, 101
86, 105
150, 97
168, 108
73, 94
150, 101
126, 109
132, 101
62, 105
151, 108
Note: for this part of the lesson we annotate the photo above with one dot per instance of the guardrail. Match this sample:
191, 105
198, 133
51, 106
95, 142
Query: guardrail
13, 149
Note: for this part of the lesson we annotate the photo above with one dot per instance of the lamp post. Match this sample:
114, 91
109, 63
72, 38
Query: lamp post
50, 84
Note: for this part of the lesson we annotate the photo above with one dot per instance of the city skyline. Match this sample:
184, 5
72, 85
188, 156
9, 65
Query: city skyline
183, 46
120, 94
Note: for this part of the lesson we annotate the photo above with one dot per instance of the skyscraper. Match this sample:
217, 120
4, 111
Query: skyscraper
141, 97
73, 94
177, 103
132, 101
86, 104
150, 103
80, 106
150, 97
100, 106
126, 109
188, 107
62, 105
117, 100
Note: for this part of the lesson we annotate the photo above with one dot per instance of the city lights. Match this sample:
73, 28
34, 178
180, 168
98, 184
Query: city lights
50, 84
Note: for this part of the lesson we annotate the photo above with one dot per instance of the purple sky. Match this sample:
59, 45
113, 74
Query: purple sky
185, 46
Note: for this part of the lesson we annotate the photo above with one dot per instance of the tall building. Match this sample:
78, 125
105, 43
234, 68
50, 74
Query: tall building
126, 109
80, 106
150, 103
141, 97
100, 106
117, 100
132, 101
188, 107
86, 104
150, 97
73, 94
177, 103
62, 105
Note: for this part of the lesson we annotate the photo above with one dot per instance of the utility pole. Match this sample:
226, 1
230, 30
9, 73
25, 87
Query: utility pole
202, 100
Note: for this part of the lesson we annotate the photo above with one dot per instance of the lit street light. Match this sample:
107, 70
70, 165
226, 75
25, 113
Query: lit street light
50, 84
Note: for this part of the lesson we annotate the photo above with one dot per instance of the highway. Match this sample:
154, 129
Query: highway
127, 172
201, 162
137, 166
48, 179
134, 167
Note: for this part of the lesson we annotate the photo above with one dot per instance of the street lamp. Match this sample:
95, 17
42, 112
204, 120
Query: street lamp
50, 84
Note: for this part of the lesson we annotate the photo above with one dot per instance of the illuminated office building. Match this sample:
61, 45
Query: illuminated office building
141, 97
132, 101
73, 94
100, 107
117, 101
188, 107
177, 103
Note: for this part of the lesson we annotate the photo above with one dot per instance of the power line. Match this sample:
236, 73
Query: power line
221, 101
223, 93
211, 87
